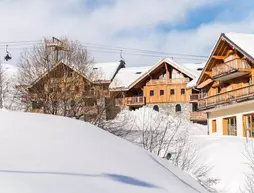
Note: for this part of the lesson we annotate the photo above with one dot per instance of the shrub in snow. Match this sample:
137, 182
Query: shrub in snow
162, 134
249, 181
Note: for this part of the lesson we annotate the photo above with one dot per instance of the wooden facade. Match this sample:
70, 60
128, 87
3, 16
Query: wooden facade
63, 84
227, 78
164, 84
227, 87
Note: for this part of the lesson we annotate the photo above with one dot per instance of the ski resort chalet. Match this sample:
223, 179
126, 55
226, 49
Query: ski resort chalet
227, 86
165, 86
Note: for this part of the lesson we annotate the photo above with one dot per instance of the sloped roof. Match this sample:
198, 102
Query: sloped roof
171, 62
134, 79
53, 67
195, 68
126, 76
244, 43
105, 71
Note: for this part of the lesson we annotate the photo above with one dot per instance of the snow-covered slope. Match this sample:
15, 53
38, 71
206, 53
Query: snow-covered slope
144, 116
50, 154
225, 155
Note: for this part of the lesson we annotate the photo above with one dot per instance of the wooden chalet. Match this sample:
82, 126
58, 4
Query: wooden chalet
227, 86
65, 84
161, 86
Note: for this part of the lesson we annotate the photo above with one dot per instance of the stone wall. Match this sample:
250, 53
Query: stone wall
170, 108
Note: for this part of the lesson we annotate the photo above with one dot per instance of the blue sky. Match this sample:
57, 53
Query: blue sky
172, 26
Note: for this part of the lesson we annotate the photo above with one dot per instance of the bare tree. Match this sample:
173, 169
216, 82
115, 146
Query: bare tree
249, 180
55, 78
2, 82
167, 137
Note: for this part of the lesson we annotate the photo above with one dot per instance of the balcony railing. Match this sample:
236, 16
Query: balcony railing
169, 81
198, 116
196, 97
230, 67
240, 94
134, 101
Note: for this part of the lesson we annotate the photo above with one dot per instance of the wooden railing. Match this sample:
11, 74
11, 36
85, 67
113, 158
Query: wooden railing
196, 97
225, 97
169, 81
198, 116
230, 66
135, 101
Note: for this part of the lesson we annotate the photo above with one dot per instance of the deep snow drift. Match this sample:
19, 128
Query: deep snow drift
136, 120
49, 154
226, 156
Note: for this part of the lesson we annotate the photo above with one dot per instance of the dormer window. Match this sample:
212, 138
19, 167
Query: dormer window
138, 72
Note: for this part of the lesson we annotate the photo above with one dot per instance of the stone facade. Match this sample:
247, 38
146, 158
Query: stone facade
183, 108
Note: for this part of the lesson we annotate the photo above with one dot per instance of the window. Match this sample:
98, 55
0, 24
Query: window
161, 92
214, 127
138, 72
229, 126
178, 108
249, 125
77, 88
172, 91
182, 91
156, 108
151, 93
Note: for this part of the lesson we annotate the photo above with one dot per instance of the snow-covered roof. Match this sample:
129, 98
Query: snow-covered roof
243, 41
105, 71
65, 155
126, 76
195, 68
171, 62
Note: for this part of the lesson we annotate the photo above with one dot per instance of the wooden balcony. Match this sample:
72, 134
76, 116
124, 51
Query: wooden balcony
134, 101
198, 116
231, 69
195, 97
225, 98
166, 82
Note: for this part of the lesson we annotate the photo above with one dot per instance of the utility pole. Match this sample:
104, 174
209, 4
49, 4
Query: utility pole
57, 46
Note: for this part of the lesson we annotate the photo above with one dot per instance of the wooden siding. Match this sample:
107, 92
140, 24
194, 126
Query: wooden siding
167, 96
230, 67
198, 116
238, 94
232, 75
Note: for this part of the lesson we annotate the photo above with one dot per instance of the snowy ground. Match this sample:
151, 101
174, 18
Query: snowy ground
51, 154
226, 155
